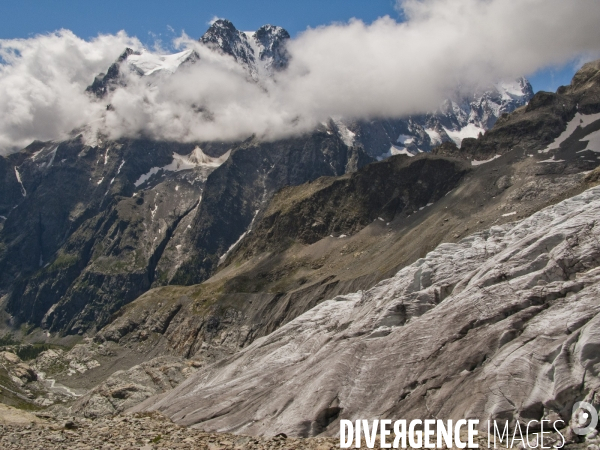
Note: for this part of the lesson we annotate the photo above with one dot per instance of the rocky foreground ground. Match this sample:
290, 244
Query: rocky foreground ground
21, 430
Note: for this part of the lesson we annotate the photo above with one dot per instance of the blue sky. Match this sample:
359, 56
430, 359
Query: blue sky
88, 18
159, 19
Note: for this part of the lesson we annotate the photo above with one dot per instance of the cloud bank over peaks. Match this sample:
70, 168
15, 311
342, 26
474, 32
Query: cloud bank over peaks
42, 84
352, 70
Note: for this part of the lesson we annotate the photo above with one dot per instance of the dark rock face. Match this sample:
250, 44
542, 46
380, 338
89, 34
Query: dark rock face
272, 40
262, 53
10, 189
104, 83
545, 117
208, 322
224, 37
449, 149
585, 85
84, 234
346, 205
95, 227
240, 189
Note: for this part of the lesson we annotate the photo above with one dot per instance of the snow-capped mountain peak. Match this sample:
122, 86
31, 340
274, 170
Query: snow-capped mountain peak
458, 117
271, 40
143, 63
260, 52
224, 37
146, 63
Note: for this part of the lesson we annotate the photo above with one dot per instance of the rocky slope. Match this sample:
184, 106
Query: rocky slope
93, 227
269, 281
87, 225
240, 190
346, 205
89, 220
218, 317
493, 299
299, 253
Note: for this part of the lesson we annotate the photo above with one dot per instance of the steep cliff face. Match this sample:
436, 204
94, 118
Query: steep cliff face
90, 226
240, 190
229, 311
493, 299
261, 53
344, 206
93, 227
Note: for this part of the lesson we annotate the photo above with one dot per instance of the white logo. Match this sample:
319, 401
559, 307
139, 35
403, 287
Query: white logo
581, 413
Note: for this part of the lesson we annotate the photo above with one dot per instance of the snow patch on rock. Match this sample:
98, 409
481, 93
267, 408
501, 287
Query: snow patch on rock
185, 162
149, 63
580, 120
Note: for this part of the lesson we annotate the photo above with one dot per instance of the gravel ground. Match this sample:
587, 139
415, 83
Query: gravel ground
139, 431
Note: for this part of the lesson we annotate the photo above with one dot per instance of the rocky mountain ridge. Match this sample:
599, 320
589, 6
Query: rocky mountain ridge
263, 53
260, 53
493, 298
94, 237
278, 277
464, 115
91, 228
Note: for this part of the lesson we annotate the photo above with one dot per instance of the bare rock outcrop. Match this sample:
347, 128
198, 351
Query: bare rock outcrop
124, 389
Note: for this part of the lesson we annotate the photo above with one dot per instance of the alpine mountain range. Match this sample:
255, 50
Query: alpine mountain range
257, 287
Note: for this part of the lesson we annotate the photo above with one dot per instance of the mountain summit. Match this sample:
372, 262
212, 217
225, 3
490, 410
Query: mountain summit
260, 52
263, 53
278, 286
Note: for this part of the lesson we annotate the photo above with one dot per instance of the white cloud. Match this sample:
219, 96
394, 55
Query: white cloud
213, 20
351, 70
43, 81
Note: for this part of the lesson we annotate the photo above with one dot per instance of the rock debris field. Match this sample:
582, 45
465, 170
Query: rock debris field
21, 430
138, 431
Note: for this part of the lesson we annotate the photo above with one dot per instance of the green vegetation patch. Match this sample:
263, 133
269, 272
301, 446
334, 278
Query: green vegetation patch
63, 261
8, 339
